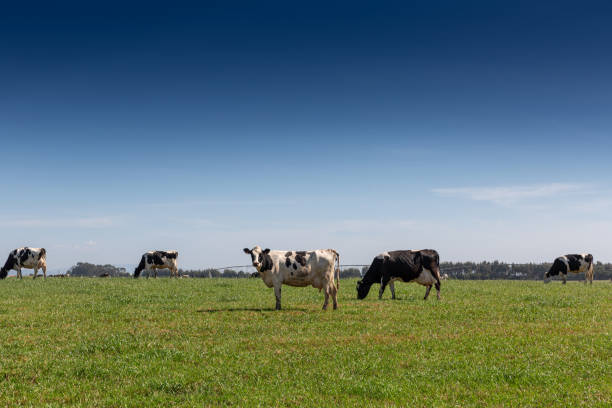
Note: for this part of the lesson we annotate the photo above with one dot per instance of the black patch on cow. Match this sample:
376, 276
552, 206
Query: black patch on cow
558, 267
169, 255
574, 261
300, 257
266, 261
288, 254
294, 266
157, 258
24, 255
287, 262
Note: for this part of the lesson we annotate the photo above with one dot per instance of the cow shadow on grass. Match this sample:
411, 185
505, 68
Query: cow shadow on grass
251, 309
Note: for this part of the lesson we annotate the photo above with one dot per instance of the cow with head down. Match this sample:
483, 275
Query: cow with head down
422, 266
298, 268
575, 263
29, 258
154, 260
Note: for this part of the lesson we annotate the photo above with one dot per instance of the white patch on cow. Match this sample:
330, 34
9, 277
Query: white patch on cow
382, 256
426, 278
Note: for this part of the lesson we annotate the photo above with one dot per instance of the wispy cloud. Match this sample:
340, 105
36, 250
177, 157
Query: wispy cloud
79, 222
510, 194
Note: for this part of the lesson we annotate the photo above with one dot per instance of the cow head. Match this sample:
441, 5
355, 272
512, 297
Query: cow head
10, 263
363, 289
259, 257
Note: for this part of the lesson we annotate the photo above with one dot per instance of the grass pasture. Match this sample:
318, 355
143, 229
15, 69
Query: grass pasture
212, 342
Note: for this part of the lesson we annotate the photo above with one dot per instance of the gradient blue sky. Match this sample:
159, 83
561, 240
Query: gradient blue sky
478, 128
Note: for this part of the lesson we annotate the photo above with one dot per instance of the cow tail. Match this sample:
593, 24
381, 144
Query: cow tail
43, 254
337, 270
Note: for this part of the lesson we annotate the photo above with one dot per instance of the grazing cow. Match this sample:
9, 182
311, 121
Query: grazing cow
298, 268
575, 263
29, 258
154, 260
408, 266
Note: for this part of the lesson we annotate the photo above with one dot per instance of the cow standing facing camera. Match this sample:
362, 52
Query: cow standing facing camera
298, 268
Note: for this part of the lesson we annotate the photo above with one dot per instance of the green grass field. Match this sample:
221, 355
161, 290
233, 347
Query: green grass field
211, 342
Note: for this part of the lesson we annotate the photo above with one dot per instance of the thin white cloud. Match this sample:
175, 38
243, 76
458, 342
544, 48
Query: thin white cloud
364, 225
510, 194
80, 222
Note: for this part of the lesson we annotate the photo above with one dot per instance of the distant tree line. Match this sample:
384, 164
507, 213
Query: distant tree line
91, 270
454, 270
513, 271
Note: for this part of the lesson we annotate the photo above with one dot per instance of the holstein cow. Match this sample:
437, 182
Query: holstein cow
408, 266
575, 263
154, 260
298, 268
29, 258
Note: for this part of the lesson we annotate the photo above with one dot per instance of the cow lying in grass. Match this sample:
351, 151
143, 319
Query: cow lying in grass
298, 268
407, 266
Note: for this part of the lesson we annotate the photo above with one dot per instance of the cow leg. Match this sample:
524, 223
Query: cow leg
277, 294
392, 287
383, 284
326, 298
438, 284
427, 292
36, 273
19, 273
44, 268
334, 295
155, 276
564, 279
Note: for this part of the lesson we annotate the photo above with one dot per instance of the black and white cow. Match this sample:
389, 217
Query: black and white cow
29, 258
575, 263
298, 268
154, 260
407, 266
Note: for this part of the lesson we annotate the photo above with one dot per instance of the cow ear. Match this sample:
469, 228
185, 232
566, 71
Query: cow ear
267, 250
247, 250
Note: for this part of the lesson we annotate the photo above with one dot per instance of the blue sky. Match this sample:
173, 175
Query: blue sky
481, 129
